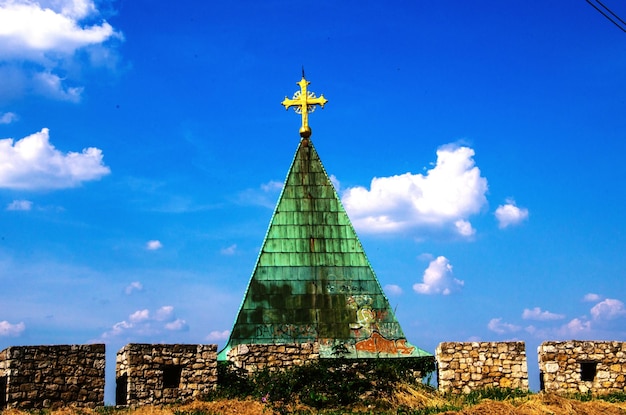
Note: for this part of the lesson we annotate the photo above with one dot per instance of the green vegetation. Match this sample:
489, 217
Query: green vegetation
368, 386
494, 394
612, 397
325, 384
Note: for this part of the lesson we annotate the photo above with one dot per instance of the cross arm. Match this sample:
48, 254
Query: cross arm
290, 103
321, 101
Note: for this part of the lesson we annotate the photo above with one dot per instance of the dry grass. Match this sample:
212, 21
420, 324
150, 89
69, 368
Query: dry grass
405, 400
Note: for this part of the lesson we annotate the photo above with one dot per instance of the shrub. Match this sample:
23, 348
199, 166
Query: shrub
326, 383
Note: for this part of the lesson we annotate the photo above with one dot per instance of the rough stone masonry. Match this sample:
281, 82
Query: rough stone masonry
582, 366
467, 366
37, 377
152, 374
255, 357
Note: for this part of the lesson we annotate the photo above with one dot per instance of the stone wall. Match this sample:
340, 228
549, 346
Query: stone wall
152, 374
582, 366
463, 367
254, 357
35, 377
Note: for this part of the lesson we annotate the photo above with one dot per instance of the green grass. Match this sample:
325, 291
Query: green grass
494, 394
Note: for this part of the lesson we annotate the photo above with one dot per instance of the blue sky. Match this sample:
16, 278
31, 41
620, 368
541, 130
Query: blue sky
477, 146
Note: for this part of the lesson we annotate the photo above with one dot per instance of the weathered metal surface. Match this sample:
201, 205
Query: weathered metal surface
313, 281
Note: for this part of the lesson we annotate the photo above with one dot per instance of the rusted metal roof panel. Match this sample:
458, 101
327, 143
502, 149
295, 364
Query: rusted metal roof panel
313, 281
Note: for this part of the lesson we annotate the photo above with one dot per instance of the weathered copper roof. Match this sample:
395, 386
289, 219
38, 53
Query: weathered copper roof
312, 280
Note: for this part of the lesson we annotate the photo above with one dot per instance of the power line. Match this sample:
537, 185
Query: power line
613, 14
622, 28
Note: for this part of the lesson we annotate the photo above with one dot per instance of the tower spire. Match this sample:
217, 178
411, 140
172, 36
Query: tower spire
304, 102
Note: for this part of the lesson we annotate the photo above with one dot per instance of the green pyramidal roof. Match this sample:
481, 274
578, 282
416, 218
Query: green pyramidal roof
313, 281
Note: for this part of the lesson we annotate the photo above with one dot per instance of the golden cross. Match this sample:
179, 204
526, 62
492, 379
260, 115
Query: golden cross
304, 102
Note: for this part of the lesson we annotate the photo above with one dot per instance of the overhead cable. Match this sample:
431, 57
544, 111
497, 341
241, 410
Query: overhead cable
621, 24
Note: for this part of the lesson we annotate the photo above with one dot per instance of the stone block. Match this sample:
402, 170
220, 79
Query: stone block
481, 364
165, 373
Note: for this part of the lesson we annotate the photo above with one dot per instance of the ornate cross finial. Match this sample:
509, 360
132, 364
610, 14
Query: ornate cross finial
304, 102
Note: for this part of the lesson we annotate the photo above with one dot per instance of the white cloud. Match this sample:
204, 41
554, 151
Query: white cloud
8, 117
118, 329
133, 286
608, 309
591, 298
464, 228
509, 214
272, 186
447, 195
11, 330
33, 163
438, 278
75, 8
537, 314
143, 323
335, 182
218, 335
153, 245
498, 326
177, 325
46, 34
265, 195
393, 289
139, 316
20, 205
574, 328
28, 30
51, 86
165, 313
229, 250
426, 257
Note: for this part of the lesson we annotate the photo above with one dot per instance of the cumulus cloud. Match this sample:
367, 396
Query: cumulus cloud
52, 86
509, 214
335, 182
153, 245
265, 195
229, 250
272, 186
591, 298
30, 30
498, 326
20, 205
574, 328
537, 314
447, 195
218, 335
11, 330
7, 117
438, 278
144, 323
139, 316
33, 163
608, 309
464, 228
45, 35
165, 313
133, 286
177, 325
393, 289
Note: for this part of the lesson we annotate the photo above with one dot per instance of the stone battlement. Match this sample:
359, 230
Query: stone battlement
582, 366
34, 377
156, 374
463, 367
37, 377
254, 357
